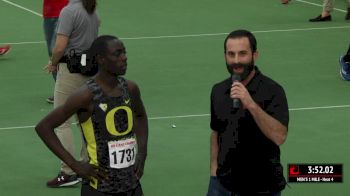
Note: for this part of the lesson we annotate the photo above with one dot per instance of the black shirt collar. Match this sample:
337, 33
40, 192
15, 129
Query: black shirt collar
255, 81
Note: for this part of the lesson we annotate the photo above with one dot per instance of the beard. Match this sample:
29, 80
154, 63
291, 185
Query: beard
247, 67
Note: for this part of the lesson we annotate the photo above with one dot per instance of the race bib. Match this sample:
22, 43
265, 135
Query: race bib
122, 153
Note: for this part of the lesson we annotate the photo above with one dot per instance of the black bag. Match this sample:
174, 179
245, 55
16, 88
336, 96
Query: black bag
82, 63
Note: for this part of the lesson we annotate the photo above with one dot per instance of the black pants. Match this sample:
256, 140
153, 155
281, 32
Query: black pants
87, 190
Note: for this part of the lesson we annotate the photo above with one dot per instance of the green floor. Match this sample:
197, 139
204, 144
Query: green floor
175, 52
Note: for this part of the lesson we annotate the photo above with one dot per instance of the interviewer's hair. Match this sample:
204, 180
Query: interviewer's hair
89, 5
242, 33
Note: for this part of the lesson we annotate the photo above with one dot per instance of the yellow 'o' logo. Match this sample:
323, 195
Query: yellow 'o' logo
110, 124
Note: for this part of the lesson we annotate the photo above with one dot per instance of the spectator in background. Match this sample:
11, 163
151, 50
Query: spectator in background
328, 6
77, 28
51, 12
344, 62
5, 49
285, 1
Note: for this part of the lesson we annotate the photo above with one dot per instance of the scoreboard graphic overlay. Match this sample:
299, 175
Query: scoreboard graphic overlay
321, 173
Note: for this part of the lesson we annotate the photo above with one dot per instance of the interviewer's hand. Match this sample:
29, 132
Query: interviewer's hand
238, 90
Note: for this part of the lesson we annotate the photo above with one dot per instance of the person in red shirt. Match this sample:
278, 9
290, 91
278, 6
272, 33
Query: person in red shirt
51, 12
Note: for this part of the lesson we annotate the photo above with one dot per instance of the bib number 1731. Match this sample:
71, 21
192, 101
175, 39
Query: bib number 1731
122, 153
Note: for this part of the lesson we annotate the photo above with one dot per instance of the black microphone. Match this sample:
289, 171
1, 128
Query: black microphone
236, 101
